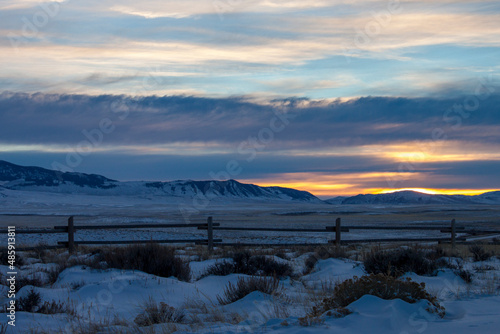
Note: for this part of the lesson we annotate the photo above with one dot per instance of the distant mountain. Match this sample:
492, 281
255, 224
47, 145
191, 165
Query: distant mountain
16, 177
413, 197
13, 176
230, 188
492, 197
336, 200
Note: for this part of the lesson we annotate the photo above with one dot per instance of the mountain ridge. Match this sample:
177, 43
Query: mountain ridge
16, 177
414, 197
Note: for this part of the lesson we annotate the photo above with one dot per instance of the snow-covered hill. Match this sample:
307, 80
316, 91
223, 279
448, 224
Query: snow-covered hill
16, 177
413, 197
406, 197
492, 197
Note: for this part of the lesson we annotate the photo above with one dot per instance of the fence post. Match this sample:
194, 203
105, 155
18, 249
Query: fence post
453, 234
210, 229
71, 235
337, 232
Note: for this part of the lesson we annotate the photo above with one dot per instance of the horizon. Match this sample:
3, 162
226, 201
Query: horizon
332, 97
324, 197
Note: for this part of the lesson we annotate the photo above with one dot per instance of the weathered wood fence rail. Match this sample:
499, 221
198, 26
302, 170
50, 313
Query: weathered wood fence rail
210, 227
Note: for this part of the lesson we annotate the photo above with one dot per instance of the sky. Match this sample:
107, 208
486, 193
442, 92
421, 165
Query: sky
333, 97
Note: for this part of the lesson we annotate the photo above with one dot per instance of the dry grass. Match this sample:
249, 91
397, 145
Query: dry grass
33, 303
150, 258
244, 287
158, 313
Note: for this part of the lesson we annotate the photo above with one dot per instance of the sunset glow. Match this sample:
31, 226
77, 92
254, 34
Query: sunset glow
469, 192
333, 190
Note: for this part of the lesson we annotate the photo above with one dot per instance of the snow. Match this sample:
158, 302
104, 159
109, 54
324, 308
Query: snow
104, 295
335, 270
255, 307
198, 268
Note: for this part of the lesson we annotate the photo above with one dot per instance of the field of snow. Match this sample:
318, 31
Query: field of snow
30, 209
110, 300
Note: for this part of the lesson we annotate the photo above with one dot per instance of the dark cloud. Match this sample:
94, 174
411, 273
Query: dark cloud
60, 119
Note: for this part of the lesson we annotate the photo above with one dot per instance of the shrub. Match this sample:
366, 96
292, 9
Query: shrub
150, 258
458, 269
243, 287
310, 263
465, 274
54, 307
53, 273
478, 253
245, 263
155, 313
31, 302
436, 253
397, 262
248, 264
313, 320
331, 252
382, 286
24, 281
483, 268
77, 284
223, 268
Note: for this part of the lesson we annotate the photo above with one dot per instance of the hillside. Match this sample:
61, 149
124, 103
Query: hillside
15, 177
413, 197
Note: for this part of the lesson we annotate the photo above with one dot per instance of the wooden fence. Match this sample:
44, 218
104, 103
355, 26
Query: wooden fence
210, 227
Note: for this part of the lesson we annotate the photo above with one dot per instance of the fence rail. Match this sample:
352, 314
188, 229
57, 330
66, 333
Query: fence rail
210, 227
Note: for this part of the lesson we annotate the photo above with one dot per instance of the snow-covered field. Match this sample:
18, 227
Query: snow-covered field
109, 301
31, 209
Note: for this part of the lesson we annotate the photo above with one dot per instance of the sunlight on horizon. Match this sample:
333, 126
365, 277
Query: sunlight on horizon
468, 192
333, 190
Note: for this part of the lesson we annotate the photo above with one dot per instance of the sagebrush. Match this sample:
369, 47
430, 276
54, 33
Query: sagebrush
158, 313
252, 265
244, 287
151, 258
398, 262
479, 253
382, 286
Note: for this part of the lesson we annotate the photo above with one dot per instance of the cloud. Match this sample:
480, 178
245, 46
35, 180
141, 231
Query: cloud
24, 4
187, 8
320, 126
198, 81
252, 49
330, 147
